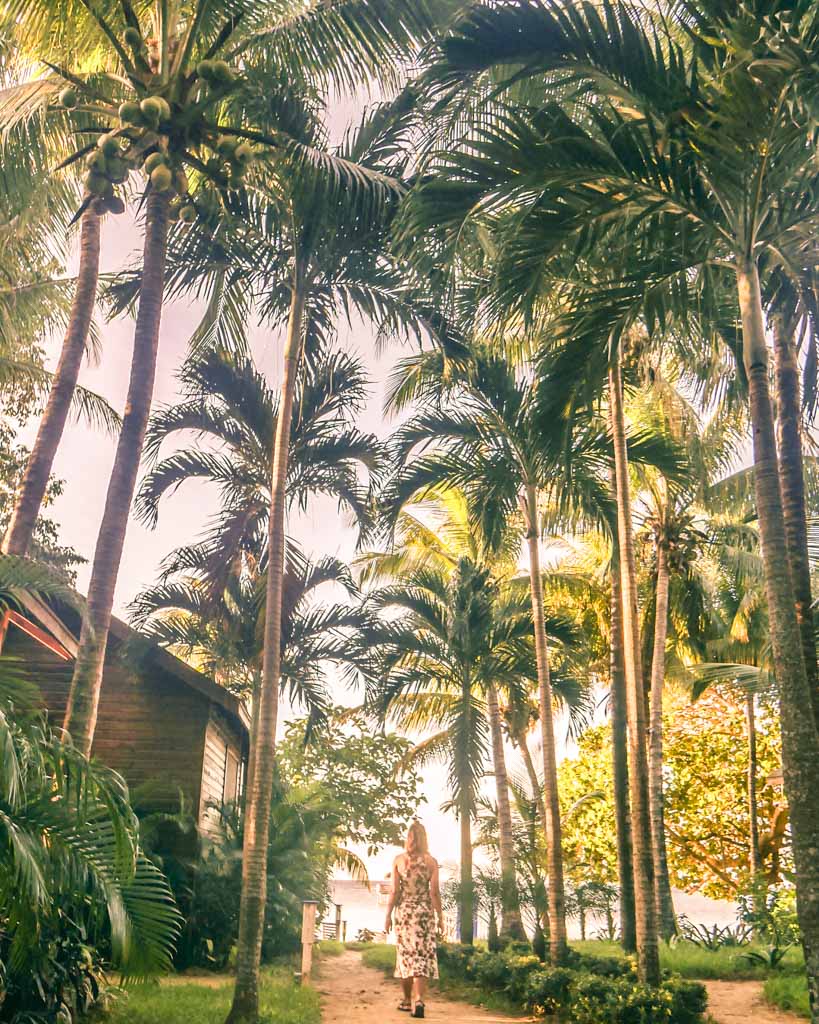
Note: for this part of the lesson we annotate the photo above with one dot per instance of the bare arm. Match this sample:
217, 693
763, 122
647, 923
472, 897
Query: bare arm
395, 888
435, 893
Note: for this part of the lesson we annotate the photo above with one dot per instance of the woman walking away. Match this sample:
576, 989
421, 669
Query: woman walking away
416, 900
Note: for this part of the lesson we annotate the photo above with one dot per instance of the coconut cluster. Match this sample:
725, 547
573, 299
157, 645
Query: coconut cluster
149, 125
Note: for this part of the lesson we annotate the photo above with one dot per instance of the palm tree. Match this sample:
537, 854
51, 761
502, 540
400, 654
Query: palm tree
305, 247
233, 411
484, 422
461, 634
221, 632
679, 164
438, 531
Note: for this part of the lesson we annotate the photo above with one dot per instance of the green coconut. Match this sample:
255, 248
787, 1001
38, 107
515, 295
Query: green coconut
68, 97
109, 144
164, 108
117, 170
96, 161
205, 69
114, 204
180, 182
153, 161
151, 108
132, 37
187, 213
161, 178
222, 73
97, 184
129, 112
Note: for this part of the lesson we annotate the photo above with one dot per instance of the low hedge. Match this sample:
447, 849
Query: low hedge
589, 990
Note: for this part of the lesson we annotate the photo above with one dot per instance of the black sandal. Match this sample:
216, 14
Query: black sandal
405, 1006
419, 1010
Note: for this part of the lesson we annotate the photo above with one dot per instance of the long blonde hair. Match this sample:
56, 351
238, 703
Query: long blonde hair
417, 839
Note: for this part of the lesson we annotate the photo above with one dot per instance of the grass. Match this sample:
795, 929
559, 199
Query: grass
382, 958
179, 1002
788, 992
692, 961
329, 947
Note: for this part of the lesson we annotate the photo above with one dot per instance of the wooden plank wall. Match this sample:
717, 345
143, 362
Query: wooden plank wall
221, 736
150, 728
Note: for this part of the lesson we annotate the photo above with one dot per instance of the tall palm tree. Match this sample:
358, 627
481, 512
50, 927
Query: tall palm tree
482, 419
233, 411
439, 531
679, 163
460, 635
308, 244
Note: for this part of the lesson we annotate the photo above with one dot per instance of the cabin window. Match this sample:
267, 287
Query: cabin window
231, 789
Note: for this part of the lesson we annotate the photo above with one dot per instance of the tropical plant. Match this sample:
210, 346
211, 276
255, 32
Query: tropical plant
76, 891
480, 417
692, 135
461, 633
233, 411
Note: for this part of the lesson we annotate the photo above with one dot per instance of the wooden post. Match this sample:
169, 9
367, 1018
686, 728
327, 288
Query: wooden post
338, 923
308, 937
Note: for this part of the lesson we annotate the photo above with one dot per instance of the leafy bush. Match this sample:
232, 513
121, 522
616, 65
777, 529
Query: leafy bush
76, 892
590, 989
548, 989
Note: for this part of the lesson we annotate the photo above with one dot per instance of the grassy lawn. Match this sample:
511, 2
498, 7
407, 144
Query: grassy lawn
329, 947
382, 957
178, 1002
692, 961
788, 992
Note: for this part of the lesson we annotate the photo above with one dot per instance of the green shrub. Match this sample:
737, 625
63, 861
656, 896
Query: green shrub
521, 969
689, 1000
548, 989
606, 966
491, 970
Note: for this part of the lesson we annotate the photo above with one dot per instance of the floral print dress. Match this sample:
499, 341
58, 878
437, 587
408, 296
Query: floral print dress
415, 929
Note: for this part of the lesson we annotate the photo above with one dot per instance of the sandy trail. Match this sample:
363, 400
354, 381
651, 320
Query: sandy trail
742, 1002
354, 994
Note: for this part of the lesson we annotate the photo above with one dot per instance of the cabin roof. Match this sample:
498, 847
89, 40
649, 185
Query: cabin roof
62, 622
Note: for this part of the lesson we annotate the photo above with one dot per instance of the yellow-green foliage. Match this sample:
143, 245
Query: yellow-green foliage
706, 806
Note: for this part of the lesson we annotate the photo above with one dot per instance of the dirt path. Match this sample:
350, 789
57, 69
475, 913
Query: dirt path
742, 1002
354, 994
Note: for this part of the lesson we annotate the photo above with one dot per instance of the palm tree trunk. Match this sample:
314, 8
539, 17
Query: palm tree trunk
534, 781
245, 1007
754, 858
648, 957
558, 946
665, 905
511, 924
800, 741
619, 754
466, 896
49, 434
83, 698
792, 483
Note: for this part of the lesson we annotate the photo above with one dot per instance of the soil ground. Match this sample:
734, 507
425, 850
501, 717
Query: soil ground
354, 994
742, 1002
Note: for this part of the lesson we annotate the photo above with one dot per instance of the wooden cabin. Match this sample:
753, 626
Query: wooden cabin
176, 736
